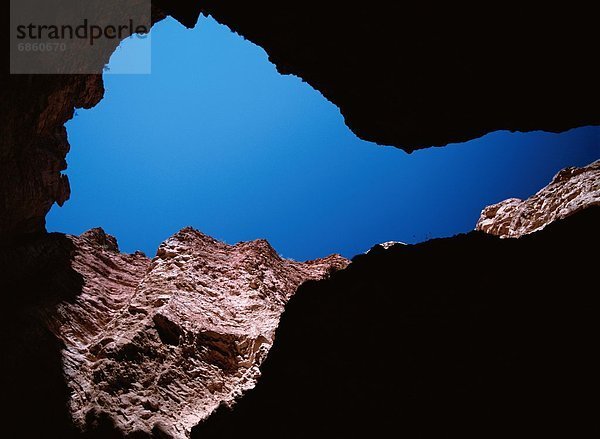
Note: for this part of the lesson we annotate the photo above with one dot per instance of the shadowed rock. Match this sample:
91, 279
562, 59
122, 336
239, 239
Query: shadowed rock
472, 336
416, 75
35, 276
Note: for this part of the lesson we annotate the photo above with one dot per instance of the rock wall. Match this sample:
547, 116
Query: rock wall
571, 190
148, 348
35, 108
33, 146
472, 336
36, 274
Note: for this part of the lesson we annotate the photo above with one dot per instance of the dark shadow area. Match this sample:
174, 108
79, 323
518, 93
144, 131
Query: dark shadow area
415, 74
100, 426
36, 275
471, 336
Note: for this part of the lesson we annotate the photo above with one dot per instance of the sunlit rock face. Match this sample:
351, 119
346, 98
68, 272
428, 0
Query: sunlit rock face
571, 190
151, 347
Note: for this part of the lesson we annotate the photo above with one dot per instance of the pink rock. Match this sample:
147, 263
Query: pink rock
571, 190
161, 343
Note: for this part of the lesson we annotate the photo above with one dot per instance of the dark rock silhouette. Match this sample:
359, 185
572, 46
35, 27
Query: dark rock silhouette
34, 143
35, 275
416, 74
471, 336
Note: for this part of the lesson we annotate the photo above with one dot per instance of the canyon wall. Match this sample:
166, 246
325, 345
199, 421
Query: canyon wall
472, 336
570, 191
35, 108
139, 347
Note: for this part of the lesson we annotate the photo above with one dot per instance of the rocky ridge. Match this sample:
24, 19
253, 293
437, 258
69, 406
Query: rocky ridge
151, 347
571, 190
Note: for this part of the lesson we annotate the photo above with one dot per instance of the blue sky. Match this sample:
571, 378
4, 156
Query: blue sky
215, 138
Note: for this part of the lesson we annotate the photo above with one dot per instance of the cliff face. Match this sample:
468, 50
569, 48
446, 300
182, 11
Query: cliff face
34, 143
571, 190
151, 347
471, 336
404, 75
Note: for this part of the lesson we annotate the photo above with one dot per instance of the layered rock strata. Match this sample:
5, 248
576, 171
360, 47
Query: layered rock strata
570, 191
151, 347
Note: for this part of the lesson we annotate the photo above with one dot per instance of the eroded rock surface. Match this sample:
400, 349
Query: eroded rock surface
151, 347
571, 190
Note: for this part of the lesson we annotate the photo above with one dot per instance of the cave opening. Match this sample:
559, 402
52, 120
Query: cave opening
217, 139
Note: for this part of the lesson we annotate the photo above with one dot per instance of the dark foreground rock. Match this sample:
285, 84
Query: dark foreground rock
471, 336
416, 74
